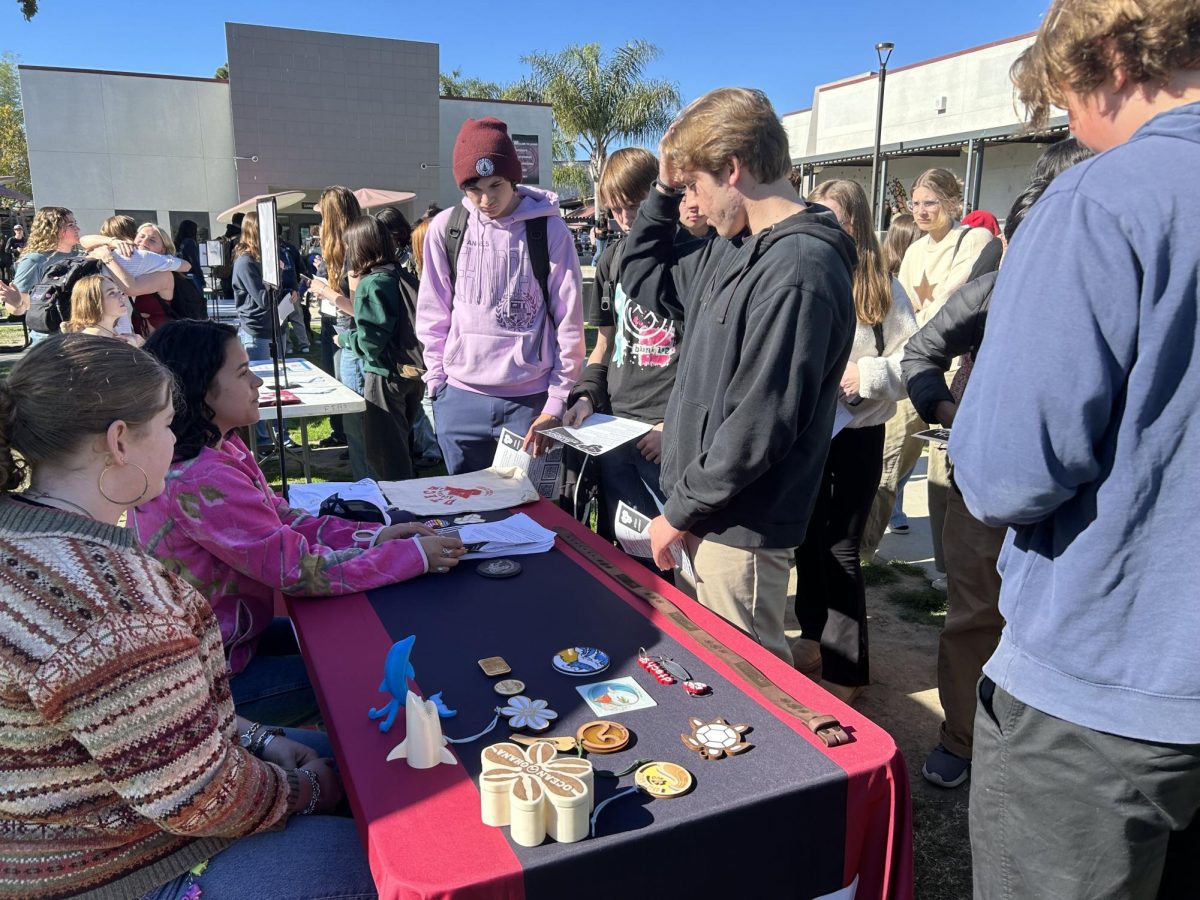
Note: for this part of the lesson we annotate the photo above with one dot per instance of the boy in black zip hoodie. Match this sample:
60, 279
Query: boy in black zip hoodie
770, 319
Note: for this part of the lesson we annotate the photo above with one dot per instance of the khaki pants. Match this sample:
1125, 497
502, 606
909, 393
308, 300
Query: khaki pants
900, 454
937, 483
748, 587
973, 621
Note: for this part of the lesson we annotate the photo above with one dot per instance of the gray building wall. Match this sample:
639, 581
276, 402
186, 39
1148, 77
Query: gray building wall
319, 109
106, 141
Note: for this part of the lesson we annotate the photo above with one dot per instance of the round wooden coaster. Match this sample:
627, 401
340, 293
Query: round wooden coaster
603, 736
663, 780
509, 687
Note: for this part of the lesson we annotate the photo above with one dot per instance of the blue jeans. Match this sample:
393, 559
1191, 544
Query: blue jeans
626, 475
313, 857
354, 377
275, 687
468, 425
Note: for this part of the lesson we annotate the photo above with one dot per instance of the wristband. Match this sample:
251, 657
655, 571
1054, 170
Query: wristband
667, 189
247, 737
264, 737
316, 793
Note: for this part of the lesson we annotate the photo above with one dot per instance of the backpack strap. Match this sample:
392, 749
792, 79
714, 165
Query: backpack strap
539, 256
962, 236
456, 229
878, 329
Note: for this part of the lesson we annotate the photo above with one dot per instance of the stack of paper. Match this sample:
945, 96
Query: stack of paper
515, 536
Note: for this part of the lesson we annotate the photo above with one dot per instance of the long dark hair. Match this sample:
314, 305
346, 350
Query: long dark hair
368, 245
194, 350
186, 231
397, 225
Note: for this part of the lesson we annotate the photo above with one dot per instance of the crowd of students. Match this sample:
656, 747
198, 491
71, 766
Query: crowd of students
783, 357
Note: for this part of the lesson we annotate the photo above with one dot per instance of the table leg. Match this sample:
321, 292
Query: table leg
304, 453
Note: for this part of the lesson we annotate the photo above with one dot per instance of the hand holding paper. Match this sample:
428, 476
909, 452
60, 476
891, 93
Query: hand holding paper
662, 536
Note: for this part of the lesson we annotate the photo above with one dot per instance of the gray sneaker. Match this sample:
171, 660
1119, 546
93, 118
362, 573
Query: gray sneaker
945, 769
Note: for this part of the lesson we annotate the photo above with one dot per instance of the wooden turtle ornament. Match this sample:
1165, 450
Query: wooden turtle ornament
715, 739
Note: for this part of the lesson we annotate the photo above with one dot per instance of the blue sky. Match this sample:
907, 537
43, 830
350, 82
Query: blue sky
705, 44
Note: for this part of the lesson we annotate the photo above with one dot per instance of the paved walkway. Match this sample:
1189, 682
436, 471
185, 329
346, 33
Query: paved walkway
916, 547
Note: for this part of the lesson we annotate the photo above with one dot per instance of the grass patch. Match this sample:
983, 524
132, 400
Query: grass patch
874, 575
907, 569
921, 605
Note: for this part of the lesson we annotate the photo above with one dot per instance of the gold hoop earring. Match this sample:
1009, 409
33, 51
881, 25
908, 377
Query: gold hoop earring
125, 503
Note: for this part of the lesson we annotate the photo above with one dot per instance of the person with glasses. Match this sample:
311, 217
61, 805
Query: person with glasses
54, 235
934, 267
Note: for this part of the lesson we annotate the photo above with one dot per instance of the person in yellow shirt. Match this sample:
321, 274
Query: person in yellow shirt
934, 267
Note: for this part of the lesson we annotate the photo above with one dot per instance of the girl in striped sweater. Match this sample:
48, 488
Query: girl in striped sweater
124, 769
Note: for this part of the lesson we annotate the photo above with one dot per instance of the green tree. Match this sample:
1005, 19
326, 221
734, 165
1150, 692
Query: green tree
599, 99
567, 172
222, 72
29, 8
455, 84
14, 153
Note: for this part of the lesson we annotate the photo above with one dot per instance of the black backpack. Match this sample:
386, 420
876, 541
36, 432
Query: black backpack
50, 299
535, 237
187, 302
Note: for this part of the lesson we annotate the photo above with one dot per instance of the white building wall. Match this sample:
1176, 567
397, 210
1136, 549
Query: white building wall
1006, 169
977, 90
521, 118
99, 142
796, 125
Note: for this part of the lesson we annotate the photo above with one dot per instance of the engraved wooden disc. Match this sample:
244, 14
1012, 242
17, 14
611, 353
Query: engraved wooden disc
663, 780
603, 736
509, 687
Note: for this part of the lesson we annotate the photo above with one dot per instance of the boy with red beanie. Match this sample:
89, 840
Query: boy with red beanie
498, 354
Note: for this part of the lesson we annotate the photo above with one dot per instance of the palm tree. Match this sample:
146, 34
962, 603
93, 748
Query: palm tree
598, 100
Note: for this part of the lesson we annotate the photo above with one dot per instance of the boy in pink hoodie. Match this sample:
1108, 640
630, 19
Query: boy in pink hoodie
497, 353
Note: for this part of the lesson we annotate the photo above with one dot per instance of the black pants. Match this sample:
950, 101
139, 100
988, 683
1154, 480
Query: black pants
328, 348
392, 407
831, 600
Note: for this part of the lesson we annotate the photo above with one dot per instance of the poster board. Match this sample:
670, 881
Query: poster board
268, 237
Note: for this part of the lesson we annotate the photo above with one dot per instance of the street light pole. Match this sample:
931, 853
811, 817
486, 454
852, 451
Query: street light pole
883, 50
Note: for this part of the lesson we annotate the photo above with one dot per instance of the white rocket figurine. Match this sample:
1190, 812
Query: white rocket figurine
423, 746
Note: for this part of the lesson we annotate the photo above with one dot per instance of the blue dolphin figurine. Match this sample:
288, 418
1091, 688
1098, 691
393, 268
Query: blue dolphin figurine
396, 672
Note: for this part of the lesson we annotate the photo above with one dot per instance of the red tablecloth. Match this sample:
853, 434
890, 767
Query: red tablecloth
423, 834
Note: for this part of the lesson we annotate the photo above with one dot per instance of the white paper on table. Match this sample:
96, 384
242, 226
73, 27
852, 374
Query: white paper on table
842, 417
286, 305
542, 471
309, 497
514, 536
599, 433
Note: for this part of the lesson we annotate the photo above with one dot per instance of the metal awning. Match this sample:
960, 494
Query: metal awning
949, 145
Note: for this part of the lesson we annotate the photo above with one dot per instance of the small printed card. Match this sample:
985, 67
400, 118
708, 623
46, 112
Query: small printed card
934, 435
615, 696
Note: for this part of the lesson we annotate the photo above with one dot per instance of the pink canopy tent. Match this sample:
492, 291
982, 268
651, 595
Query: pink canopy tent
372, 197
284, 200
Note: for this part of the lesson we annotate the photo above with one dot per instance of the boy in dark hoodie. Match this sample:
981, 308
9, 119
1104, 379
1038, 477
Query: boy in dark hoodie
770, 319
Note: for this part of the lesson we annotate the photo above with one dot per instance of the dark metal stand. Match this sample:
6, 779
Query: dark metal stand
280, 431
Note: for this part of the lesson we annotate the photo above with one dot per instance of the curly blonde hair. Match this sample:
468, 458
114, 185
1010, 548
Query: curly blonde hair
44, 231
1082, 43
